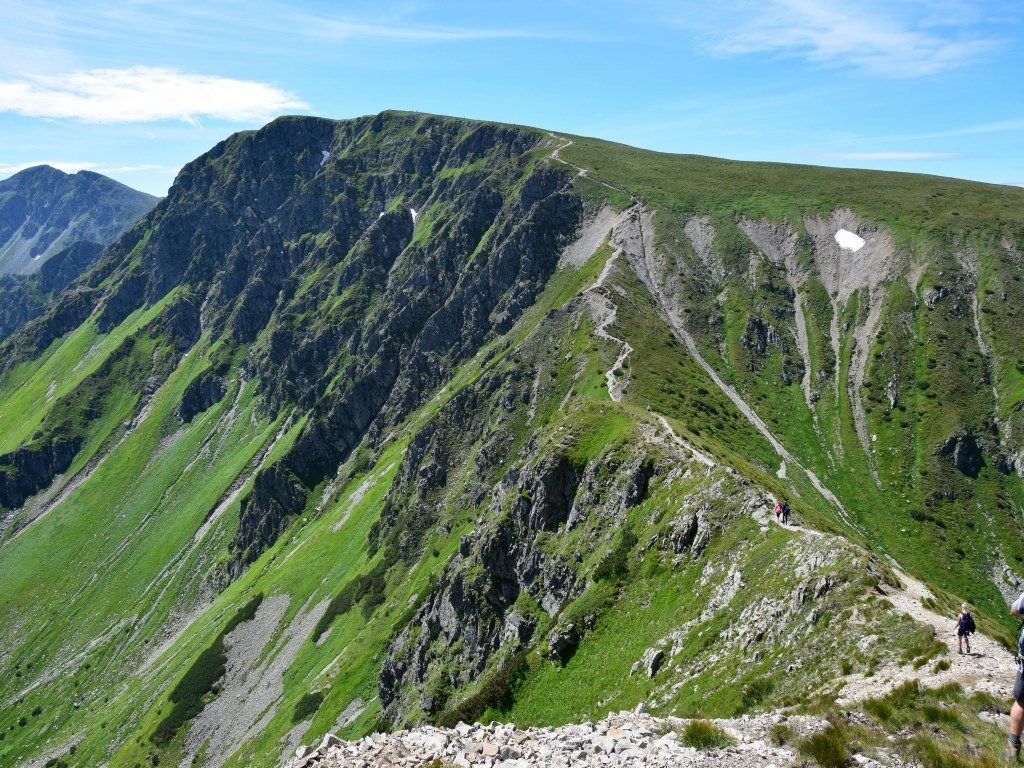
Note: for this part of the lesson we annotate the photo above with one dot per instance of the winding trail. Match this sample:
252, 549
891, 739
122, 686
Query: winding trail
646, 274
703, 458
604, 312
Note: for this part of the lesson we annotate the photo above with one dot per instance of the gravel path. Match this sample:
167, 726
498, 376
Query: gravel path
989, 667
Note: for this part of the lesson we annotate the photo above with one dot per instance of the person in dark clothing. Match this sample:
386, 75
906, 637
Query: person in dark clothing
785, 512
964, 628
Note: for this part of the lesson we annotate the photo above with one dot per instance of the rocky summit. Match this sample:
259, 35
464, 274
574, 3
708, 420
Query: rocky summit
387, 427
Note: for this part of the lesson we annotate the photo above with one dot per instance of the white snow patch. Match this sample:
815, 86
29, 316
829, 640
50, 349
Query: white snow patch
326, 154
414, 214
849, 241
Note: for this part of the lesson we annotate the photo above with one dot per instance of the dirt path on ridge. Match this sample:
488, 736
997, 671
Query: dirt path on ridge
988, 668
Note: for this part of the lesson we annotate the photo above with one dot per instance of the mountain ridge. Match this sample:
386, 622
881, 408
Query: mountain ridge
467, 395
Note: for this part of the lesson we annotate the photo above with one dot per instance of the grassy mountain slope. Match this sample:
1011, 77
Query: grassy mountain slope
437, 426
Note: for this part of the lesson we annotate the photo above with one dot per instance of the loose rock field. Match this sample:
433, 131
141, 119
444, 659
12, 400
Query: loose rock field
624, 739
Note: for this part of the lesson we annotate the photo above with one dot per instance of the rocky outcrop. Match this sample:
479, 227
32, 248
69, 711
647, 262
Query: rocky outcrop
275, 497
472, 603
473, 606
203, 393
26, 471
963, 450
934, 295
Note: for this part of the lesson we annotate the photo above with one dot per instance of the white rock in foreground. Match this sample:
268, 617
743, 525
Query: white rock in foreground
849, 241
623, 739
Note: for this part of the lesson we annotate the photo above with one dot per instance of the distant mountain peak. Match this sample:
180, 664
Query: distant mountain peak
43, 210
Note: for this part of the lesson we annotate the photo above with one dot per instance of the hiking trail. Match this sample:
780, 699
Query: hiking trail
989, 667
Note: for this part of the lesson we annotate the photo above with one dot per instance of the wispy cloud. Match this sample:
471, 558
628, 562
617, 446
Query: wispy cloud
74, 166
998, 126
68, 166
893, 39
893, 155
345, 29
144, 94
142, 168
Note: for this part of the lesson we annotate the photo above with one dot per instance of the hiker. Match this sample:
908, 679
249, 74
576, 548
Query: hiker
778, 511
785, 513
964, 628
1017, 711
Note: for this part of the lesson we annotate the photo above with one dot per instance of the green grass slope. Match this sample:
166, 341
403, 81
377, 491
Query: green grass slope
567, 532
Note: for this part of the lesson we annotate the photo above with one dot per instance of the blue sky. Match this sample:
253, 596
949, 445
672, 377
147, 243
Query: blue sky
135, 89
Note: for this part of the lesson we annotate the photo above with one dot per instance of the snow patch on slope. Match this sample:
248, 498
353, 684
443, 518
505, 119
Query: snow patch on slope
849, 241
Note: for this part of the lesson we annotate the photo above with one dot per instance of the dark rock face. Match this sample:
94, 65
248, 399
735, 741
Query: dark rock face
760, 339
755, 336
42, 210
473, 604
473, 608
562, 643
201, 394
26, 471
412, 309
963, 449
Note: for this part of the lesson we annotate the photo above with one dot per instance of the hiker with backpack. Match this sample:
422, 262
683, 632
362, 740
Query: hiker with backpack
778, 511
965, 627
785, 512
1017, 711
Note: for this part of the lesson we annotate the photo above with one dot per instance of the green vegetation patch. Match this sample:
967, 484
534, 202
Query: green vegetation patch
705, 735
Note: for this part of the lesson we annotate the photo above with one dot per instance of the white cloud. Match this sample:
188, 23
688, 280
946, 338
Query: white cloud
894, 155
893, 39
144, 94
68, 166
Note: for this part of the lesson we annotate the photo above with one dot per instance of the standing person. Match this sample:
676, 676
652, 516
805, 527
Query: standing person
785, 512
964, 627
778, 511
1017, 711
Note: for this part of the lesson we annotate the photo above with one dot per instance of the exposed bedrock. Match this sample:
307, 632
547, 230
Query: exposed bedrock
472, 609
27, 471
